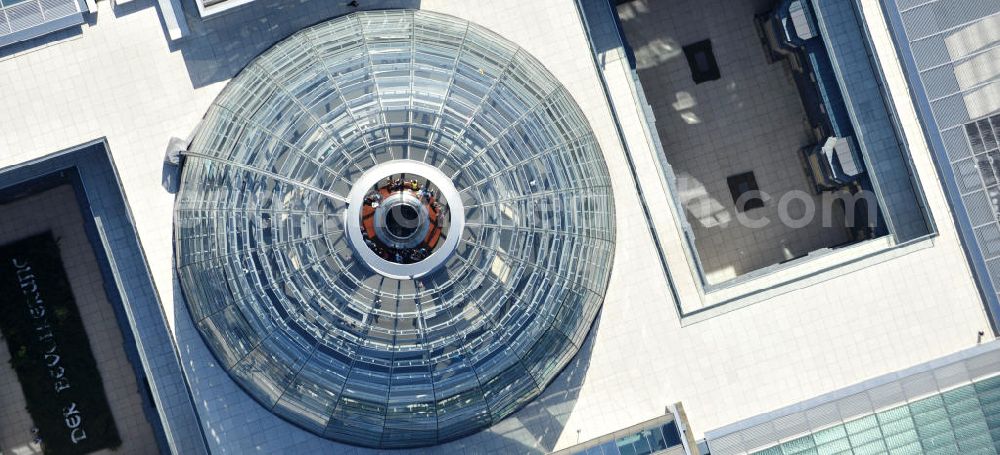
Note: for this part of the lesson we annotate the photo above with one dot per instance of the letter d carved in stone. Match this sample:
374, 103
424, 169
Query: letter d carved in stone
78, 435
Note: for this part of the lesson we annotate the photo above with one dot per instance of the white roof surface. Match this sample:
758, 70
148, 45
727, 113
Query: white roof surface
120, 78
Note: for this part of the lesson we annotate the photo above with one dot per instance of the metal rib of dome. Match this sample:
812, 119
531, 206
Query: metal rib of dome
297, 316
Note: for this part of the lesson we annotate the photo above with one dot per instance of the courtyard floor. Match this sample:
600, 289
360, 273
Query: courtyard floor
57, 210
751, 119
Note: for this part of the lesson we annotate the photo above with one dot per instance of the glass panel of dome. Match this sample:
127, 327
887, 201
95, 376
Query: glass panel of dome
462, 413
210, 290
228, 335
312, 395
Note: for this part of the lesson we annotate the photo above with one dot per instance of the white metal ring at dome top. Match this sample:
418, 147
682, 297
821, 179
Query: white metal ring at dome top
356, 200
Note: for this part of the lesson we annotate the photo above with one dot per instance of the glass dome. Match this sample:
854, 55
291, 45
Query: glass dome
427, 342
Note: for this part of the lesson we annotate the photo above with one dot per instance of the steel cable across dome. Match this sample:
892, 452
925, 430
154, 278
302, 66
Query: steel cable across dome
296, 308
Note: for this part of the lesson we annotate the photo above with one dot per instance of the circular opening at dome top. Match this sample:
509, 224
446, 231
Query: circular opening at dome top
404, 218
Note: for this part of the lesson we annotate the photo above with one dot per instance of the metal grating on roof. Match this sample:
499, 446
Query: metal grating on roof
949, 51
32, 18
27, 14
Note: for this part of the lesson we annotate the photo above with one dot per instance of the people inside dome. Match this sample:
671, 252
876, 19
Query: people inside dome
434, 208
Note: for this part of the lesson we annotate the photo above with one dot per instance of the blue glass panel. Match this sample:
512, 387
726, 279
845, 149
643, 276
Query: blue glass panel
609, 448
801, 445
656, 439
626, 445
